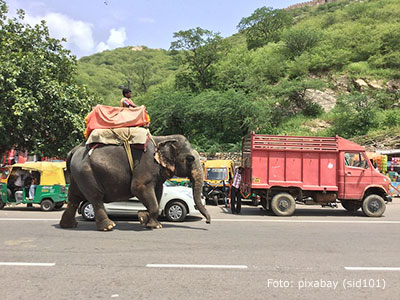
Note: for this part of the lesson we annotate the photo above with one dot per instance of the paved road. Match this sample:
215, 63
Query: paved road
316, 254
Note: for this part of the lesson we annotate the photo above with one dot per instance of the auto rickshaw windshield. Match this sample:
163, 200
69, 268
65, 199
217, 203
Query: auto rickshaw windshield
217, 174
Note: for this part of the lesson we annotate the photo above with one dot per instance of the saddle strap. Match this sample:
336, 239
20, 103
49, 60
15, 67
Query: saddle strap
127, 147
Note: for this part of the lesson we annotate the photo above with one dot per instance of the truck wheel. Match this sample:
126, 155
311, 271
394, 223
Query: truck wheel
47, 205
351, 206
373, 206
283, 204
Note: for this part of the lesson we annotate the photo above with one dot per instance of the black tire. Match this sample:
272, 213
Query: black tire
2, 204
59, 205
351, 206
175, 211
47, 205
88, 211
373, 206
215, 198
283, 204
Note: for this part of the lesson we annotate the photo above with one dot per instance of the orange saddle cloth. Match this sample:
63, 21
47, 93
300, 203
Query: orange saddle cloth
105, 117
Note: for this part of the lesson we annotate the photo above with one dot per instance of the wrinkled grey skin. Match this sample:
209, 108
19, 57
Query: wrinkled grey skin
105, 176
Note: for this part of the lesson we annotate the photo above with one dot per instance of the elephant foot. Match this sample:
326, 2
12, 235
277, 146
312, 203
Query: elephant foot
143, 217
153, 224
105, 225
68, 223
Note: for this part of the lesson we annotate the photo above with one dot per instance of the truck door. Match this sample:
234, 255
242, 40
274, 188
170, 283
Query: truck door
357, 175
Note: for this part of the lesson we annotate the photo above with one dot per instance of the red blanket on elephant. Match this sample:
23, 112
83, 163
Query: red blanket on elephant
105, 117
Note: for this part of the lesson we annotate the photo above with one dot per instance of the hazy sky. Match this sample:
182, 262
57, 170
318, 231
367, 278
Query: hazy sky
91, 26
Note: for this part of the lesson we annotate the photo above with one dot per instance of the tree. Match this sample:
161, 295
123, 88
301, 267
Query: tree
299, 40
203, 49
264, 26
354, 115
41, 106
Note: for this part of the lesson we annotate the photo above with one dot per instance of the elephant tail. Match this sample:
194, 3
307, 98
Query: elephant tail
69, 157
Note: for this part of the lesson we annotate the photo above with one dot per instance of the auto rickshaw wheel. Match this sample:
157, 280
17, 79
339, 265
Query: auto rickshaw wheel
2, 204
59, 205
47, 205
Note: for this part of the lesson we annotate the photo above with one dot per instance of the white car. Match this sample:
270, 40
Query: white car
176, 203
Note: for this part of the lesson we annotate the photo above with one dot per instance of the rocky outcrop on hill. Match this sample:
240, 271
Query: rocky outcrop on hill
326, 99
309, 3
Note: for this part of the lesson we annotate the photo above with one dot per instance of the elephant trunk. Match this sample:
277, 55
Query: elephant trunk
196, 179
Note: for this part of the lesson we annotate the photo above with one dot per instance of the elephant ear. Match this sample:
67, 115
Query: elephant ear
166, 154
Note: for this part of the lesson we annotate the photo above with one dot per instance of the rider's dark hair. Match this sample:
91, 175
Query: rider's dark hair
126, 91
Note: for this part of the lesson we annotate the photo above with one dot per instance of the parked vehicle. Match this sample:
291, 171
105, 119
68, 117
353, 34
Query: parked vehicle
285, 170
180, 181
51, 185
176, 204
217, 177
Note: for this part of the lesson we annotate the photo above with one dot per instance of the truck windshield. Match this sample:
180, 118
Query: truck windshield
216, 174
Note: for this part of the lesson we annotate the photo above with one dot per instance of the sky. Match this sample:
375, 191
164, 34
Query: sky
92, 26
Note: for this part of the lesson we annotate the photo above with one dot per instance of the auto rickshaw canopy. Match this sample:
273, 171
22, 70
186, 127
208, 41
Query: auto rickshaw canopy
51, 173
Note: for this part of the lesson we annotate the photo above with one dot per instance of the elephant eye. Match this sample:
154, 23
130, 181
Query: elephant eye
190, 158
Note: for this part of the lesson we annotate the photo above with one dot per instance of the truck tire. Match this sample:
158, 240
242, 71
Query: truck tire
351, 206
373, 206
47, 205
283, 204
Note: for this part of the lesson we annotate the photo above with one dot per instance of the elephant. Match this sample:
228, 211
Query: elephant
103, 175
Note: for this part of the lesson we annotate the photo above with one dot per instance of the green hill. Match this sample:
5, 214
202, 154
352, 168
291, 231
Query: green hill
324, 70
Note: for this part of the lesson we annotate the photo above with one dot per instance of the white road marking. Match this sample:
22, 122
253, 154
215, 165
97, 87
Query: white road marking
25, 219
305, 221
25, 264
196, 266
250, 220
372, 268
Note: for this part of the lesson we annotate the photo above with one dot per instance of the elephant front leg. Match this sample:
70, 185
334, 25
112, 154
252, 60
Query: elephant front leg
143, 216
103, 223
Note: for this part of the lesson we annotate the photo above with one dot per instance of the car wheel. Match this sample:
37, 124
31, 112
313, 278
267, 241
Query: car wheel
351, 206
283, 204
88, 211
175, 211
47, 205
373, 206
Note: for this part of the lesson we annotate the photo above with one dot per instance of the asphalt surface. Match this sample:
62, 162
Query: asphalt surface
319, 253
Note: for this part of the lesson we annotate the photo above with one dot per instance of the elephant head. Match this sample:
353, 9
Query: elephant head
176, 155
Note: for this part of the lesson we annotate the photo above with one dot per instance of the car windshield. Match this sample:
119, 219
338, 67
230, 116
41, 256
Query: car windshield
168, 183
216, 174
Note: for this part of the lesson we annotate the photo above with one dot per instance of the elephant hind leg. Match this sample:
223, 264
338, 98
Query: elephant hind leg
68, 218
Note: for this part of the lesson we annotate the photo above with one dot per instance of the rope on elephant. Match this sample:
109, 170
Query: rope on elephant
127, 147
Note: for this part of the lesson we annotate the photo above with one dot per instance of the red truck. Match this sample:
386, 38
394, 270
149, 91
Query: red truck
285, 170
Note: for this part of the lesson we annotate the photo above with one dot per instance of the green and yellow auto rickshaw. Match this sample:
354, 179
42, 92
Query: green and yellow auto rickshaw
43, 183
